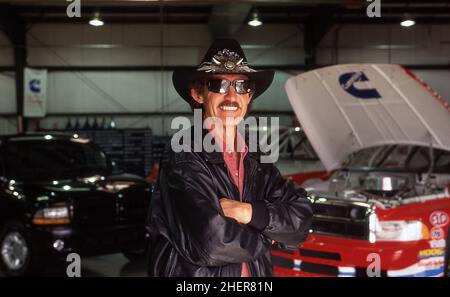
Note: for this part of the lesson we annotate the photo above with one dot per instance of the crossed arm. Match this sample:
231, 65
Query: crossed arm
240, 211
284, 215
197, 226
210, 232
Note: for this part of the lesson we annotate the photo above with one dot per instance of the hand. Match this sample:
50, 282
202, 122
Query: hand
240, 211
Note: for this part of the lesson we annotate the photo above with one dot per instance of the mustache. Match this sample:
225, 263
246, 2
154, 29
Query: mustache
229, 104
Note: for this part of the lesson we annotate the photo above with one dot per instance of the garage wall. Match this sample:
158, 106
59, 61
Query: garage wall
140, 45
110, 92
152, 91
114, 92
7, 92
7, 87
137, 45
7, 83
418, 45
6, 52
438, 80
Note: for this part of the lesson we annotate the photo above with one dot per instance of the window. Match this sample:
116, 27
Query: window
442, 162
420, 160
41, 158
397, 157
368, 158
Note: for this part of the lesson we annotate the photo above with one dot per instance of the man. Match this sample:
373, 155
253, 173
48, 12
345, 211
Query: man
217, 213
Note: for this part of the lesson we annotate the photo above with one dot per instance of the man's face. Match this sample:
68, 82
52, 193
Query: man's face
230, 105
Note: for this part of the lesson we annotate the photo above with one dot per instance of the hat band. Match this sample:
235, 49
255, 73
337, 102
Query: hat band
225, 61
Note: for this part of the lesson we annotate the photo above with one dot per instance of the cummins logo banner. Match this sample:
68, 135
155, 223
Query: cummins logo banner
35, 92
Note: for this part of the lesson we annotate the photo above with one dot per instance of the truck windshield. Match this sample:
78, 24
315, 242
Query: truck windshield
55, 158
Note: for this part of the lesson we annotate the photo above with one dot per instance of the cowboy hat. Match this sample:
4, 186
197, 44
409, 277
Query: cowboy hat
225, 56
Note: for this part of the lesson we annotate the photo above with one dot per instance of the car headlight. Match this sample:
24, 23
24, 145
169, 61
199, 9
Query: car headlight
400, 231
52, 216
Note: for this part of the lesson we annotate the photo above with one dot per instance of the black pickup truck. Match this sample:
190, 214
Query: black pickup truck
61, 194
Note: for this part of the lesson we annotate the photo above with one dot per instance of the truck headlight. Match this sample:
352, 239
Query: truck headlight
400, 231
56, 215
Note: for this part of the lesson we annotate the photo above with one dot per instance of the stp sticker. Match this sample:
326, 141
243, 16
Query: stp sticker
439, 218
437, 233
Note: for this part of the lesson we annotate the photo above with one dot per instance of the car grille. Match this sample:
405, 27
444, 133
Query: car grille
341, 218
101, 209
95, 210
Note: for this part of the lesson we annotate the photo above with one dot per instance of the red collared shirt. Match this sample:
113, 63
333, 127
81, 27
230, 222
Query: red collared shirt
236, 170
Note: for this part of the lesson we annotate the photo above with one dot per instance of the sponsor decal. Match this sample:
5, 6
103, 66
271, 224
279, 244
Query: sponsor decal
431, 263
431, 253
439, 218
436, 244
348, 82
437, 233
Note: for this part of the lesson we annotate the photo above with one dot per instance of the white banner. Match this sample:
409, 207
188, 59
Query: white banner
35, 92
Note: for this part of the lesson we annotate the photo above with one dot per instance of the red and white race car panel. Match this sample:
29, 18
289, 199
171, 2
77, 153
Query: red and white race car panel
384, 137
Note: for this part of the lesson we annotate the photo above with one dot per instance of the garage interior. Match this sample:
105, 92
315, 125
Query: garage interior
113, 79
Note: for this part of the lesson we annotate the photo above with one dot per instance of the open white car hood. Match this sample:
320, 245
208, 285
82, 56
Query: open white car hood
345, 108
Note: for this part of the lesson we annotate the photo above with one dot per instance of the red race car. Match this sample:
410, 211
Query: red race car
382, 207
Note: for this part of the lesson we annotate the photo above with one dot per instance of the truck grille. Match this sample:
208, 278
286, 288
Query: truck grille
341, 218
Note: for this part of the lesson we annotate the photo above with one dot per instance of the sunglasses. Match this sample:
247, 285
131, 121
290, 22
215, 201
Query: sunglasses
222, 86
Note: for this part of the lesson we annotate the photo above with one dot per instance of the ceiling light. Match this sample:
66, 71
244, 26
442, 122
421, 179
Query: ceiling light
407, 21
96, 21
254, 21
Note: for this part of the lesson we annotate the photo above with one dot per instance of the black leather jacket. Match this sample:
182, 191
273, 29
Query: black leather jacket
190, 236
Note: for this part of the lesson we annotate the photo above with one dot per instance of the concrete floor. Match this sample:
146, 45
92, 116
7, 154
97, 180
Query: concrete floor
117, 265
112, 265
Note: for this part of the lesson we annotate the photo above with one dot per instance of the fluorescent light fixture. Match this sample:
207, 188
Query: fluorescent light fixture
407, 21
96, 21
255, 21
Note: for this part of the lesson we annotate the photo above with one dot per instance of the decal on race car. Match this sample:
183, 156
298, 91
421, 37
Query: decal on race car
436, 252
347, 81
374, 140
439, 218
437, 233
435, 244
432, 263
428, 267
